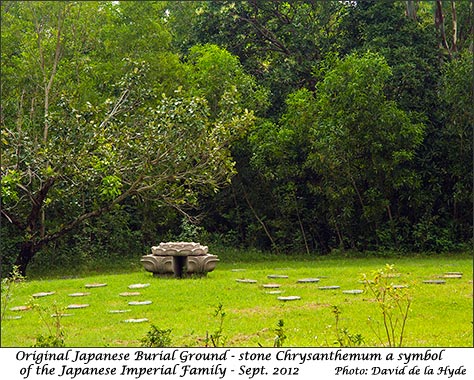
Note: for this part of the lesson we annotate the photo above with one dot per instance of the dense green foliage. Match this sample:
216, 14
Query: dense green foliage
294, 126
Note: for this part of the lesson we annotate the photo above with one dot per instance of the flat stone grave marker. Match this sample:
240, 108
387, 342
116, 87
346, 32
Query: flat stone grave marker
246, 281
399, 286
134, 320
271, 285
453, 273
79, 294
129, 294
138, 286
436, 282
274, 292
289, 298
353, 291
277, 276
95, 285
20, 308
392, 275
119, 311
61, 315
307, 280
13, 317
452, 276
43, 294
78, 306
139, 303
238, 270
330, 287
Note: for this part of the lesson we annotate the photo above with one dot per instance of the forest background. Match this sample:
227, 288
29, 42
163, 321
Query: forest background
314, 127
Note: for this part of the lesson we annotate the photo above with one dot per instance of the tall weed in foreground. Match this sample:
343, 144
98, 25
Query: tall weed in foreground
217, 339
280, 334
157, 338
393, 303
51, 319
344, 338
8, 286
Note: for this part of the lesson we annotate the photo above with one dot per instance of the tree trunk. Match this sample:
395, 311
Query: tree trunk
27, 252
411, 9
439, 23
455, 26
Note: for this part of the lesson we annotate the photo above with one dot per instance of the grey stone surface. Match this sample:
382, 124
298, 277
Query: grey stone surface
246, 281
138, 286
277, 276
307, 280
353, 291
129, 294
77, 306
79, 294
452, 276
43, 294
20, 308
436, 282
95, 285
289, 298
330, 287
180, 248
136, 320
179, 259
271, 285
139, 303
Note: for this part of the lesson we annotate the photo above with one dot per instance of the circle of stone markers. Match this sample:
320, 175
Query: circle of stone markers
133, 320
139, 303
42, 294
308, 280
353, 291
80, 294
437, 282
246, 281
129, 294
277, 276
96, 285
289, 298
138, 286
77, 306
331, 287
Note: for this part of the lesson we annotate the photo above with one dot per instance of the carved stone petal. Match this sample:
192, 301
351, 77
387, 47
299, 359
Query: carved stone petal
201, 264
158, 264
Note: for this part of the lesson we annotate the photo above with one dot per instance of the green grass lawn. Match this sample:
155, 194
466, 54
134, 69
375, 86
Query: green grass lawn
440, 315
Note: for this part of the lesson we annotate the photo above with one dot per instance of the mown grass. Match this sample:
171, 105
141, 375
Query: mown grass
440, 315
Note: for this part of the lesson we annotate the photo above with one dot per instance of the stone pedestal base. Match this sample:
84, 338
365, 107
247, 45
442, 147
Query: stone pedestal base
179, 266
